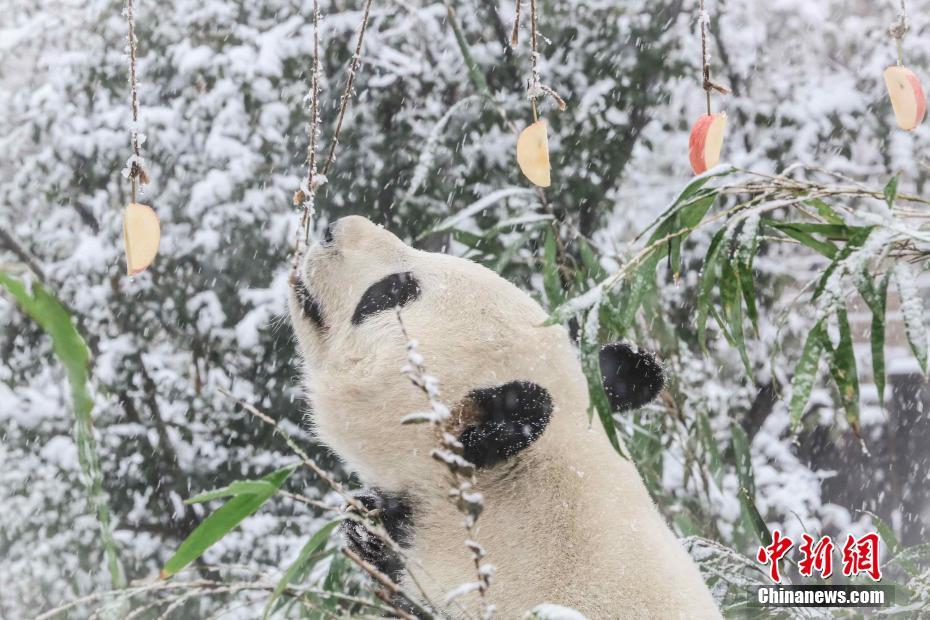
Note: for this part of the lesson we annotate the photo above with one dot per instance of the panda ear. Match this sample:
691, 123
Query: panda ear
501, 421
630, 377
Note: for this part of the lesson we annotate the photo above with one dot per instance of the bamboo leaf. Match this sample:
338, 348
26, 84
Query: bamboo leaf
843, 369
805, 374
590, 261
891, 191
71, 350
742, 458
305, 561
825, 211
749, 294
240, 487
855, 241
715, 462
474, 72
743, 462
552, 283
708, 279
688, 195
826, 248
876, 298
221, 522
731, 298
912, 309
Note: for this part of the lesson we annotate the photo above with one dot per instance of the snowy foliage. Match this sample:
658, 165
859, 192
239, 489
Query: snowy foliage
223, 113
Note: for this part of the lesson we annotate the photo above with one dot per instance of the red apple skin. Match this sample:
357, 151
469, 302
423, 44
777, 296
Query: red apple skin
919, 95
698, 141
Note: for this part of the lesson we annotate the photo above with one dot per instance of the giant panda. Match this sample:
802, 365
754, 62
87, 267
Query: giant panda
566, 521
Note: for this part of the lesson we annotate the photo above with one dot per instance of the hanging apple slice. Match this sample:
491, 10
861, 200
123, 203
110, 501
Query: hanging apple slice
706, 141
141, 233
907, 97
533, 153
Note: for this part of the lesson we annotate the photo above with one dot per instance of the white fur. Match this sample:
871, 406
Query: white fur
571, 523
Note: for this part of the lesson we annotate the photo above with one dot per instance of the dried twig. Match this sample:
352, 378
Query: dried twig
372, 522
306, 195
467, 500
389, 584
10, 242
349, 88
708, 85
898, 30
135, 169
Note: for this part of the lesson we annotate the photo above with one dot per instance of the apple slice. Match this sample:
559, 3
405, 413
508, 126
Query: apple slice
706, 141
533, 153
141, 234
907, 97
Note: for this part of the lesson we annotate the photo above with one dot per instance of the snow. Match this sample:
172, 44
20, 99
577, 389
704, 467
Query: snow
224, 125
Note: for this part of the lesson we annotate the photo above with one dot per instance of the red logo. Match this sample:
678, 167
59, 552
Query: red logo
859, 555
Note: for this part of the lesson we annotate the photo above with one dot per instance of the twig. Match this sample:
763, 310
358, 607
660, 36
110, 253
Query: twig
898, 30
468, 501
388, 584
707, 85
135, 166
10, 242
371, 520
348, 91
306, 195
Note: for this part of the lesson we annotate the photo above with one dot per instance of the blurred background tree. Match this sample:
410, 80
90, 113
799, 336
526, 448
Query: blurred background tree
223, 88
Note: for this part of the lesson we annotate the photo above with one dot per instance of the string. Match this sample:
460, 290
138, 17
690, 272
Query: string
707, 84
898, 30
137, 175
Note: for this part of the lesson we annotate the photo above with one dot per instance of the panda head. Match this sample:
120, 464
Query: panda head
503, 374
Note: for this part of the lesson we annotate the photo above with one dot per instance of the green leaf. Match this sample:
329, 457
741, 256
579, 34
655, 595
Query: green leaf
742, 458
71, 350
599, 401
843, 369
221, 522
749, 293
552, 283
590, 261
303, 564
891, 191
747, 483
715, 462
474, 72
688, 196
825, 211
805, 374
797, 233
731, 299
876, 298
708, 279
912, 311
240, 487
858, 238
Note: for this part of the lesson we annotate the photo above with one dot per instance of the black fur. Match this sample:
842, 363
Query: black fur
630, 377
512, 416
393, 291
310, 306
395, 512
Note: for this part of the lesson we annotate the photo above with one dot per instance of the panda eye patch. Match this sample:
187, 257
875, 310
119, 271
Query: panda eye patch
394, 291
309, 305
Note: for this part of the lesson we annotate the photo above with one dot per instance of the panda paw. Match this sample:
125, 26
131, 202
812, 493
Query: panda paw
396, 516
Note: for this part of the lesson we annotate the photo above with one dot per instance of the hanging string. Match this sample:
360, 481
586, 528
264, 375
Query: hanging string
535, 88
306, 195
707, 84
134, 167
898, 30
